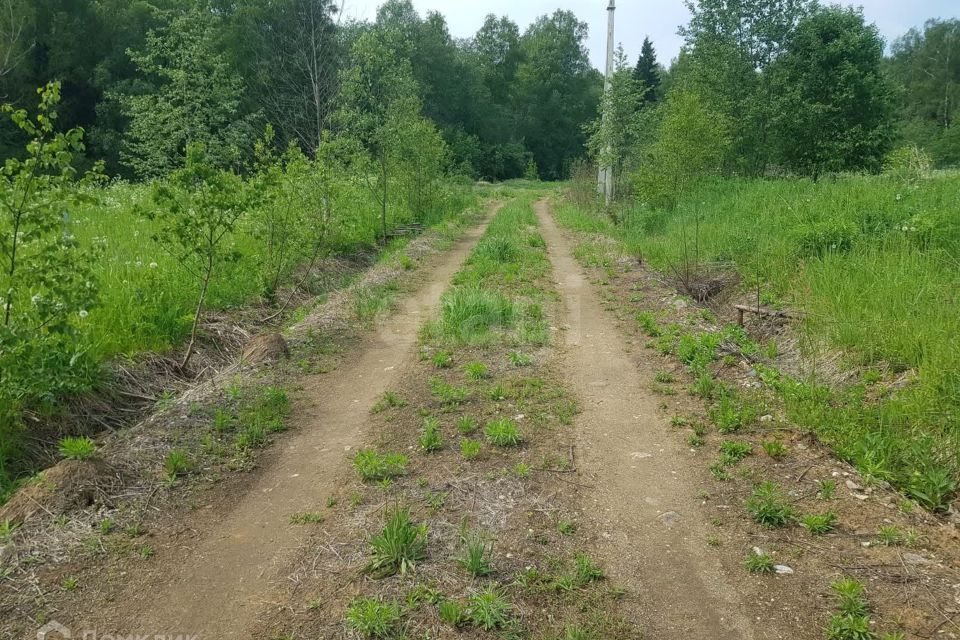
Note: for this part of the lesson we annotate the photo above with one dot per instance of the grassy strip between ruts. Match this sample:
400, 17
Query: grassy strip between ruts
893, 426
460, 516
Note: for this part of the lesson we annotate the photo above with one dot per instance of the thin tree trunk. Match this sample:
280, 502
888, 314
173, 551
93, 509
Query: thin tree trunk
198, 312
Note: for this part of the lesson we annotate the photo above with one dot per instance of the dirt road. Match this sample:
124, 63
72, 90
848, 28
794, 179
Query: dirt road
644, 508
235, 569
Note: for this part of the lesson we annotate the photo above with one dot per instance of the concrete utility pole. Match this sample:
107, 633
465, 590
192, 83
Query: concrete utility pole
605, 183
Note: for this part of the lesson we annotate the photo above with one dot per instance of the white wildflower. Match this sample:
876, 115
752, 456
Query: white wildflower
83, 313
153, 265
36, 299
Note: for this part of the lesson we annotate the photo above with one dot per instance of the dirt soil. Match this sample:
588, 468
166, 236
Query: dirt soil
645, 508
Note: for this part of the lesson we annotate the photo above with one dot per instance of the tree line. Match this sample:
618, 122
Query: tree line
143, 78
778, 87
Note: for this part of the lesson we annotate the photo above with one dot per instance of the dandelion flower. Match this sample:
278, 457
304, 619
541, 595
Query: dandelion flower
153, 265
84, 313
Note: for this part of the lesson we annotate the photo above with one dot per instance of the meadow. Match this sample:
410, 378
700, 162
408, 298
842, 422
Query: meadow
875, 263
147, 294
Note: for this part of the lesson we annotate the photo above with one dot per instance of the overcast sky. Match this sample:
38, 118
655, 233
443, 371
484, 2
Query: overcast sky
658, 19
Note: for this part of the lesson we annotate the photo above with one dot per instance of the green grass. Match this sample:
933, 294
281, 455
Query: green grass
147, 295
77, 448
430, 438
759, 563
819, 524
398, 547
767, 505
875, 265
495, 297
374, 619
477, 553
372, 466
489, 609
503, 433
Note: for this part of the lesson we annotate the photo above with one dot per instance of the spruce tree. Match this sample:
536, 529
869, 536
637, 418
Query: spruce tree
647, 72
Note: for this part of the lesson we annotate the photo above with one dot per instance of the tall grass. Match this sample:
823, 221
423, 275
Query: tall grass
876, 264
147, 295
495, 295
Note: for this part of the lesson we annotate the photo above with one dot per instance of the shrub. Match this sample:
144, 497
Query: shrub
81, 448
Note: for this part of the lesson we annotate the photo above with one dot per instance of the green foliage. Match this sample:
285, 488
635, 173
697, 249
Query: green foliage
470, 449
189, 96
177, 463
476, 371
372, 466
374, 619
430, 438
467, 425
690, 144
398, 547
197, 210
477, 555
503, 433
442, 360
448, 394
489, 609
774, 448
77, 448
926, 64
759, 562
555, 82
767, 505
834, 102
47, 286
819, 524
732, 452
389, 400
851, 597
452, 612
